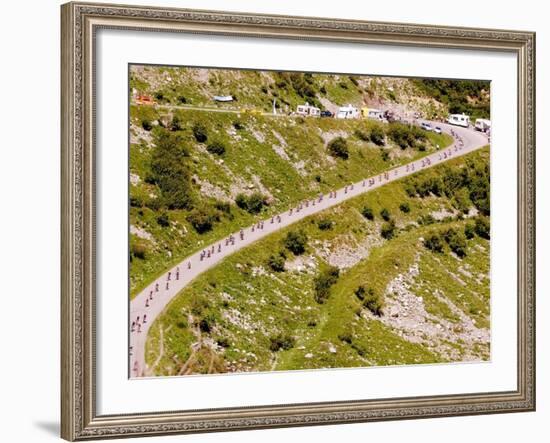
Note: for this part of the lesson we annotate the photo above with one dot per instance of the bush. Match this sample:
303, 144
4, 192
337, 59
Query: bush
346, 337
201, 220
281, 341
433, 243
146, 124
170, 172
200, 133
469, 231
182, 99
370, 299
216, 147
325, 224
456, 241
207, 323
384, 154
377, 135
323, 282
361, 135
367, 213
139, 250
277, 262
163, 220
405, 207
387, 230
251, 203
483, 227
385, 214
238, 125
295, 242
426, 219
176, 124
405, 136
338, 147
222, 206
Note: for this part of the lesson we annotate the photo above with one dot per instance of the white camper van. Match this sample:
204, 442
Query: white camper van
459, 120
348, 111
483, 124
308, 110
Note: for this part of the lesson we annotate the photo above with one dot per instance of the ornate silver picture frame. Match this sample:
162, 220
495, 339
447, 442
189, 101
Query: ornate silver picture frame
80, 22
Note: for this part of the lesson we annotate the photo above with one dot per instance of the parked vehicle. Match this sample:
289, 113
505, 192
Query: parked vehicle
426, 126
308, 110
437, 130
459, 120
223, 98
348, 111
327, 114
375, 114
482, 124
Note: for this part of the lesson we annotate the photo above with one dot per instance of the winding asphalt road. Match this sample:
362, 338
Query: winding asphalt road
152, 300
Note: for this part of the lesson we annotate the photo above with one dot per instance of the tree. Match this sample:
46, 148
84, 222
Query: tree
325, 224
469, 231
377, 135
385, 214
367, 213
216, 147
163, 220
253, 203
323, 282
433, 243
296, 241
169, 171
387, 230
277, 262
201, 220
338, 147
483, 227
405, 207
146, 124
200, 133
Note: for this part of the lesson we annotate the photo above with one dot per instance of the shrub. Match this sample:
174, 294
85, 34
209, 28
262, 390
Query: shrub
163, 220
200, 133
377, 135
367, 213
425, 219
469, 231
222, 206
146, 124
223, 342
346, 337
251, 203
238, 125
483, 227
387, 230
136, 201
281, 341
318, 178
296, 241
170, 172
175, 125
182, 99
384, 154
201, 220
385, 214
325, 224
276, 262
405, 207
370, 299
456, 241
216, 147
207, 323
323, 282
338, 147
433, 243
138, 249
361, 135
405, 136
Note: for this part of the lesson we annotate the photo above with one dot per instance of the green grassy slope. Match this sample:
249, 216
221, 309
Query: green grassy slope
284, 158
243, 316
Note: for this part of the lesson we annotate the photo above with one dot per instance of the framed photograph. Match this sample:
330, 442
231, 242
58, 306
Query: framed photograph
277, 221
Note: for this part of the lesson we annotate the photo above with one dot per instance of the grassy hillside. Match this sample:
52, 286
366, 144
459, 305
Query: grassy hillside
396, 276
197, 176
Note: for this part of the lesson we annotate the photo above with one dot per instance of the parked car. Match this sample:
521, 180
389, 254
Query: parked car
426, 126
327, 114
437, 130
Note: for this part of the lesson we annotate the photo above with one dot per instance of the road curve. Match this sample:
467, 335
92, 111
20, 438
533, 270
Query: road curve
152, 300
